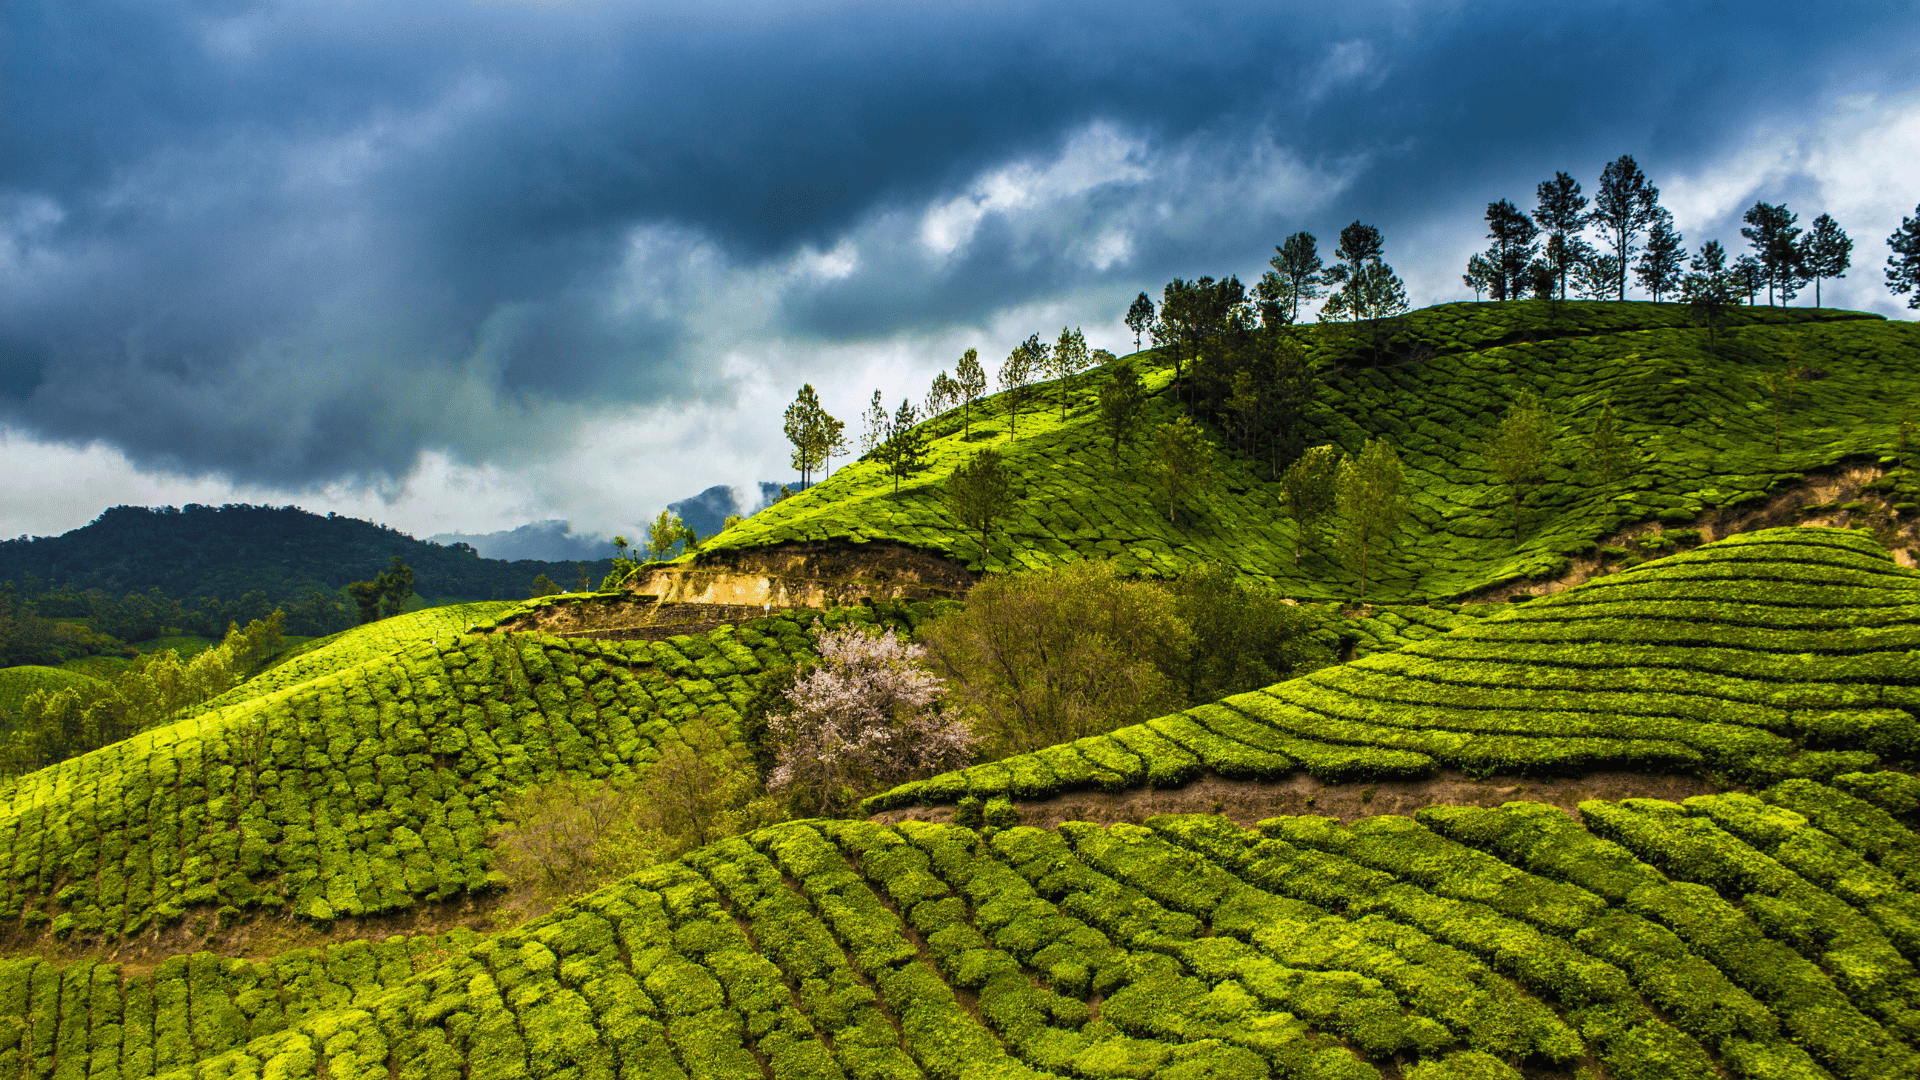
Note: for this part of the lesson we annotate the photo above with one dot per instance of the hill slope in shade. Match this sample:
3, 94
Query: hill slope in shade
1698, 410
1659, 942
1778, 653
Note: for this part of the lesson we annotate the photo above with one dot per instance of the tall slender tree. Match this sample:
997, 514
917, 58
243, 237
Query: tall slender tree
1360, 244
1479, 275
1903, 266
876, 425
1609, 457
1307, 490
944, 394
1512, 250
1561, 212
1664, 259
1069, 358
970, 380
1776, 246
1624, 206
1122, 399
979, 493
1017, 373
1520, 450
1828, 252
1182, 460
1710, 289
805, 430
1140, 318
1369, 491
1296, 276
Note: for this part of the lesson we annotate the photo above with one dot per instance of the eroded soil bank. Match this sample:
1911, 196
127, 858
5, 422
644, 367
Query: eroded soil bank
1249, 801
816, 575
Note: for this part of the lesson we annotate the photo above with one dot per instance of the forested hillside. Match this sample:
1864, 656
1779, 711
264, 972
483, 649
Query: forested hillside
229, 551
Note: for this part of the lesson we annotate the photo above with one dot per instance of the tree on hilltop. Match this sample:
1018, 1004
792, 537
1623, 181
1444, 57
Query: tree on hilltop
1370, 292
386, 595
1017, 373
1624, 206
1709, 291
1776, 247
944, 394
1560, 211
1069, 358
1296, 276
1140, 318
875, 425
1827, 252
663, 534
1903, 266
970, 381
904, 444
1479, 275
1196, 315
1664, 260
814, 434
1512, 250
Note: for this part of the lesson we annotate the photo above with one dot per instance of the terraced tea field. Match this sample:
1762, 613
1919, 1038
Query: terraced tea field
1698, 412
1768, 937
17, 683
364, 791
1788, 652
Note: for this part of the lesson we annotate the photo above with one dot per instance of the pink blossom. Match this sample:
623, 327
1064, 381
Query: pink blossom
864, 720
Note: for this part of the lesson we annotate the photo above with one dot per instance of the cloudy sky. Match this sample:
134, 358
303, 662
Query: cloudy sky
465, 265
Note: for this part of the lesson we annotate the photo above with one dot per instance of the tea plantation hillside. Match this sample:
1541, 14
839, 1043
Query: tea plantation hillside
1698, 410
1787, 652
324, 656
366, 790
1768, 937
16, 683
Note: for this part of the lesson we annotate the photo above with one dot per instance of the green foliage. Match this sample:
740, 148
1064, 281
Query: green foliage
1369, 491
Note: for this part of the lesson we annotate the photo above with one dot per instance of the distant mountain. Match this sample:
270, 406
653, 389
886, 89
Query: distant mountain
706, 512
549, 540
229, 551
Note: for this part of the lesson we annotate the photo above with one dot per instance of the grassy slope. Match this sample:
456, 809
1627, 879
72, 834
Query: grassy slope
1734, 657
1701, 417
1669, 941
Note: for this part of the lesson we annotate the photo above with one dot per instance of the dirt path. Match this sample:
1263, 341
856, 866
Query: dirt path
1248, 801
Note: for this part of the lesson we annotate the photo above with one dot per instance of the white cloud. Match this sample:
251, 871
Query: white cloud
1855, 162
1347, 63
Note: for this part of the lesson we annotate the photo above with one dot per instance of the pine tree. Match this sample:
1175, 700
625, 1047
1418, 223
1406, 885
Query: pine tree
1828, 252
1140, 318
1903, 266
1623, 206
1560, 211
1069, 359
1661, 264
876, 426
970, 379
1512, 250
1776, 248
902, 450
1479, 275
805, 430
1296, 276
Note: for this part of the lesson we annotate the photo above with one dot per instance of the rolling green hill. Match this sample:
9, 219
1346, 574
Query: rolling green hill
1697, 410
1773, 654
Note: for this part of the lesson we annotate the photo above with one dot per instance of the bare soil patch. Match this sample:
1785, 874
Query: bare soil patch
628, 617
1249, 801
817, 575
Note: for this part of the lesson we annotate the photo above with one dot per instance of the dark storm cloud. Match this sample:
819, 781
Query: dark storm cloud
293, 242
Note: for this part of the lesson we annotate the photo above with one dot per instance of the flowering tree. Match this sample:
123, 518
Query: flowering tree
862, 720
